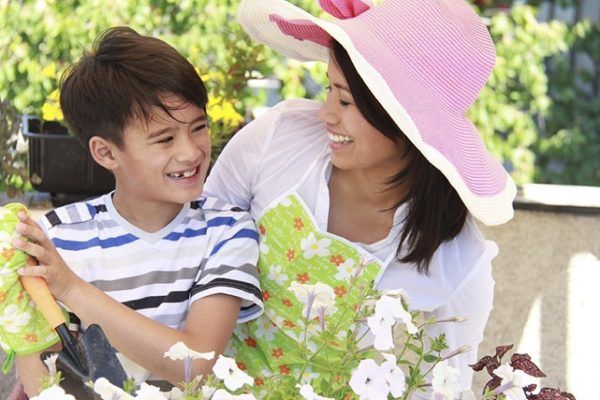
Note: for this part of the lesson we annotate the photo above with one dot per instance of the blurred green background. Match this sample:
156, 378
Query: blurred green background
538, 113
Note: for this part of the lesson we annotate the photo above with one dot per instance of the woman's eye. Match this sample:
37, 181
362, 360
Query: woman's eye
328, 88
344, 103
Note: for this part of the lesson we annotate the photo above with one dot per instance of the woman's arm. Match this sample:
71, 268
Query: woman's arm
473, 301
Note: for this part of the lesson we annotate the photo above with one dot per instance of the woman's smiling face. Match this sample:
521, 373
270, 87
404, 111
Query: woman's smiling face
355, 144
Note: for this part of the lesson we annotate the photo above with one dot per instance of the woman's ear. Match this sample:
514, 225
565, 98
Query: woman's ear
102, 152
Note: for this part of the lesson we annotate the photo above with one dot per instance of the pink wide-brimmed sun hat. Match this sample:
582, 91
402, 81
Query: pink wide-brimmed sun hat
424, 60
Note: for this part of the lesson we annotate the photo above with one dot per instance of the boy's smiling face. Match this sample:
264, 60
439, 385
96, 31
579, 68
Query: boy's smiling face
163, 162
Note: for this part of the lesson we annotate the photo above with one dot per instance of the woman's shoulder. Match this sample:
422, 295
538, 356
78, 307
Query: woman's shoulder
295, 116
291, 132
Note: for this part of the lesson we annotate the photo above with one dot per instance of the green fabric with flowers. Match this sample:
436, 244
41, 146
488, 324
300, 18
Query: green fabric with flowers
294, 250
23, 329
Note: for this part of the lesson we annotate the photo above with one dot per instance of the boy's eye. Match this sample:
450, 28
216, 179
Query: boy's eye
200, 128
165, 139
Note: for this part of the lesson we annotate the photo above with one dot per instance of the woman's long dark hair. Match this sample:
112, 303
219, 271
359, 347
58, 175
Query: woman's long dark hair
435, 211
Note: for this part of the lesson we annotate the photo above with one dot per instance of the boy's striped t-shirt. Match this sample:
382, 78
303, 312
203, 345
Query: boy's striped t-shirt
209, 247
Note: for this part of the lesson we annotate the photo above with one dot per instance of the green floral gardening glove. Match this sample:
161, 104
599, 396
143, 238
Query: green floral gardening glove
23, 329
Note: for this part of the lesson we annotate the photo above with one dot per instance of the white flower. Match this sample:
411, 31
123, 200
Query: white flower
307, 375
308, 393
108, 391
50, 362
446, 381
175, 394
401, 293
382, 329
318, 299
179, 351
345, 270
303, 337
208, 391
12, 320
513, 382
286, 202
467, 395
276, 274
313, 247
5, 238
368, 381
393, 375
227, 370
7, 273
388, 311
149, 392
265, 328
223, 394
133, 370
53, 393
4, 212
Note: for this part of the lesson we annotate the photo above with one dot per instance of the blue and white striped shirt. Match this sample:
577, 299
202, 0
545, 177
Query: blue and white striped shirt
210, 247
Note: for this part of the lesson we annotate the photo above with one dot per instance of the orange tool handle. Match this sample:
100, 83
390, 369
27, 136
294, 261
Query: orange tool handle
43, 299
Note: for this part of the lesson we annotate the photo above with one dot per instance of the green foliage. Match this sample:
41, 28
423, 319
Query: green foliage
541, 127
517, 92
12, 157
569, 144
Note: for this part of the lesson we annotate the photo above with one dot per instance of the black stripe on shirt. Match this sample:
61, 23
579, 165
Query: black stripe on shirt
100, 208
243, 286
155, 301
53, 218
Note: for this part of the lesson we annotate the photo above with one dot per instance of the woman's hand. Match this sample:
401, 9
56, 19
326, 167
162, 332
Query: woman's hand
59, 277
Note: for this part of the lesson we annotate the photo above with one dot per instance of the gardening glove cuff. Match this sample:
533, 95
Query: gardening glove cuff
23, 329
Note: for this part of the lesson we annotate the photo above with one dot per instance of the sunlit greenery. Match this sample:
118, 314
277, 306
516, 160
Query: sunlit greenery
541, 125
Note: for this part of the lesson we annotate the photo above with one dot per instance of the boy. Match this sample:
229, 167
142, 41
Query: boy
152, 262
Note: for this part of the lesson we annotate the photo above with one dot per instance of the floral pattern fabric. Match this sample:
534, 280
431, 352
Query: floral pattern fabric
294, 250
23, 329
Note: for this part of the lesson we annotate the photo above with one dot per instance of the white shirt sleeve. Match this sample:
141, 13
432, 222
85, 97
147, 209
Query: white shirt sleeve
233, 174
474, 302
230, 268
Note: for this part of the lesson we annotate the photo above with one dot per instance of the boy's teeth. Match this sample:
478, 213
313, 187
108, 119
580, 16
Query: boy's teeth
185, 174
340, 138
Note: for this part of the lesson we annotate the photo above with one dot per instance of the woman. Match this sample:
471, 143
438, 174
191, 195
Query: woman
387, 170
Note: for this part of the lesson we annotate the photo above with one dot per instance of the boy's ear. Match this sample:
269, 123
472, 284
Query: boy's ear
102, 152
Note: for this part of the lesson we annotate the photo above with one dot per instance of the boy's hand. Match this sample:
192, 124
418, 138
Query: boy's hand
52, 268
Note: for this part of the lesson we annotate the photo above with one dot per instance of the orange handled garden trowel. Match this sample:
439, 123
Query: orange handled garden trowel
86, 359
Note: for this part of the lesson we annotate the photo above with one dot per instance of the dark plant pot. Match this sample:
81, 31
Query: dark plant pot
60, 165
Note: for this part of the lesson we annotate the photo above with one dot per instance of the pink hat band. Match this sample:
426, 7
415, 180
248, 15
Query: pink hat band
426, 62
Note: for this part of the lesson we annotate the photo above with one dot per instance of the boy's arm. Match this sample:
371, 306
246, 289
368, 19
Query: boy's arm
209, 325
31, 369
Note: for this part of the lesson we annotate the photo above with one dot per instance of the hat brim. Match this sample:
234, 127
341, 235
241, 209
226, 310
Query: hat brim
484, 186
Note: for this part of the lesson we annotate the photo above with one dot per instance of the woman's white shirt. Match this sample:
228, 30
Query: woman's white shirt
287, 148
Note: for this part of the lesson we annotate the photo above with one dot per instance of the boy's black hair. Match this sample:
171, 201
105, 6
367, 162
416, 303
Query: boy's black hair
435, 211
124, 76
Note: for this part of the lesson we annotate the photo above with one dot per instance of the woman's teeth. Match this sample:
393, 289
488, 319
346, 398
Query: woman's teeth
182, 175
340, 138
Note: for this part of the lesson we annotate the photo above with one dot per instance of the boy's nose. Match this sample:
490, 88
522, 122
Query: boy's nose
187, 149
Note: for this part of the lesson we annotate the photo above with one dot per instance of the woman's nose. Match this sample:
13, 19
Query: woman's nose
326, 112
